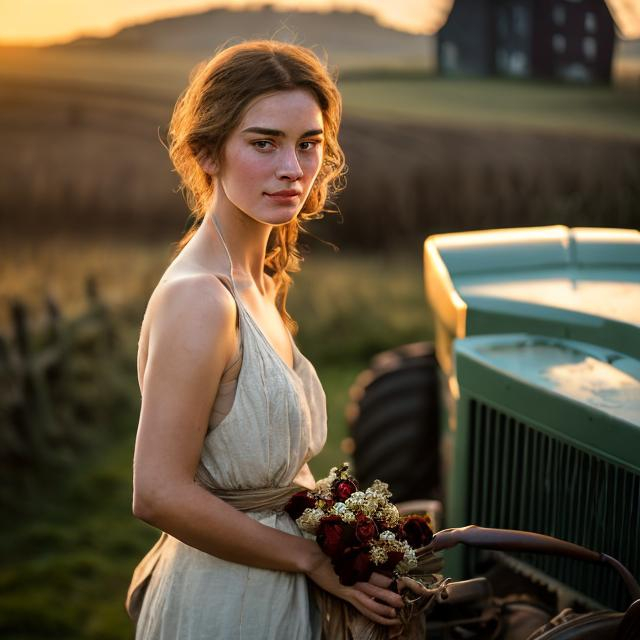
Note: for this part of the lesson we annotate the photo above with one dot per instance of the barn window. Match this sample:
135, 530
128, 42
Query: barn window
590, 22
559, 43
590, 48
518, 63
559, 15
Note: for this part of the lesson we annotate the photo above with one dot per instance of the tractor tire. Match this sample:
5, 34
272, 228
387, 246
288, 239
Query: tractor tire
393, 420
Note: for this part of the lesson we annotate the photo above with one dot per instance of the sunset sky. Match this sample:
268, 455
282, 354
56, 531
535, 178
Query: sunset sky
48, 21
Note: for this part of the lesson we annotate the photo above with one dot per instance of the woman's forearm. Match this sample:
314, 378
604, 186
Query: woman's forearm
203, 521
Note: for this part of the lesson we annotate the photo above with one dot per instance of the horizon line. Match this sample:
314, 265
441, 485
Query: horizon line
109, 32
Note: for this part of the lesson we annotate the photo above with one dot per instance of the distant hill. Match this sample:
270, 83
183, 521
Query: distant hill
351, 38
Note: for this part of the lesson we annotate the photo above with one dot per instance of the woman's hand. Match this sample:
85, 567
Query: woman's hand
373, 599
405, 582
377, 590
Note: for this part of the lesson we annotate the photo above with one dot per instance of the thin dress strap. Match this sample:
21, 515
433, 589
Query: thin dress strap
224, 244
239, 306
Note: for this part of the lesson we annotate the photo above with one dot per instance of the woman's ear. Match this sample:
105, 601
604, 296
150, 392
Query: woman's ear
206, 162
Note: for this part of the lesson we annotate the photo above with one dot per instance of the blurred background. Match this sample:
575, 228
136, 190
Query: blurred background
457, 115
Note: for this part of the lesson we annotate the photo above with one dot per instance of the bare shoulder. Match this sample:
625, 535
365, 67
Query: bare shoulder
195, 302
193, 313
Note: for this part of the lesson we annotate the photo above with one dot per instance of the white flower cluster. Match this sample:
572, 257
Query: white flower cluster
378, 555
387, 542
388, 514
309, 521
408, 562
355, 500
346, 514
381, 487
363, 502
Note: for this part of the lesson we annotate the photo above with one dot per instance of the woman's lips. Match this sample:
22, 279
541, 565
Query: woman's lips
283, 199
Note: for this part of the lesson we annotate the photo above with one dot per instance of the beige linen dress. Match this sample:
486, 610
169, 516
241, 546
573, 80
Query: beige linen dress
276, 423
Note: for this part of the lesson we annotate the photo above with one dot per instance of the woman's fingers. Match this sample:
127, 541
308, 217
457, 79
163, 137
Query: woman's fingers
387, 596
372, 604
380, 580
379, 613
412, 584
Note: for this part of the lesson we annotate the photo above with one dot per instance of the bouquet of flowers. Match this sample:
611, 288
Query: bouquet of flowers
363, 532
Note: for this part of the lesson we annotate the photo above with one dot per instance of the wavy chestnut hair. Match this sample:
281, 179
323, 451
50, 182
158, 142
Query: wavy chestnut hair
213, 104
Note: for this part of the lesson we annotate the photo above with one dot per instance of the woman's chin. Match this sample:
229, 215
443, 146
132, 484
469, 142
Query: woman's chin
284, 215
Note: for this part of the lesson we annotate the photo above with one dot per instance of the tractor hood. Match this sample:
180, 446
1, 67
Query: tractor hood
582, 284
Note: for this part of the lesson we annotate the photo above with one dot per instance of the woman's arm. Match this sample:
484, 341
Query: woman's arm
191, 337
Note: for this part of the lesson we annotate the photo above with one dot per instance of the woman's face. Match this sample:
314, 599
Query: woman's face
278, 146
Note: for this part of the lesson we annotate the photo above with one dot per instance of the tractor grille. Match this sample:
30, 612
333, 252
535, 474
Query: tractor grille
522, 478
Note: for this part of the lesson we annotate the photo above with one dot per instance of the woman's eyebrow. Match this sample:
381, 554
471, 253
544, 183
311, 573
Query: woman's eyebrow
277, 132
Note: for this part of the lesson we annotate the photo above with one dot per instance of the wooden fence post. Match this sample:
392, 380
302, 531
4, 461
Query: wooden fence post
36, 407
13, 447
101, 310
52, 389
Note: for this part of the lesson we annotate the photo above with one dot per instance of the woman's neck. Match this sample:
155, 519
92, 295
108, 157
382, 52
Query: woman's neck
245, 239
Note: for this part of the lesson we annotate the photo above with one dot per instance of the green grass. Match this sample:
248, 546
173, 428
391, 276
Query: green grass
69, 555
350, 305
72, 550
498, 103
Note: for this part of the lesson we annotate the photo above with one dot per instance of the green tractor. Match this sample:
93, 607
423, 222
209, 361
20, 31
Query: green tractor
525, 413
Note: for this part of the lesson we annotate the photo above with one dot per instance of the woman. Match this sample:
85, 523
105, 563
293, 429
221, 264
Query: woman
231, 410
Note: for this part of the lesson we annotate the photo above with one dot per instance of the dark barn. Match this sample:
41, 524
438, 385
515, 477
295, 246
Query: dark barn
562, 39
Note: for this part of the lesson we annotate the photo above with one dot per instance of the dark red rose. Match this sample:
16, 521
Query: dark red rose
365, 528
354, 565
342, 489
334, 535
298, 503
393, 557
416, 530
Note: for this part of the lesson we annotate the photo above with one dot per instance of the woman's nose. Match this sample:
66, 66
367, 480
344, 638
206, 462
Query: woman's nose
289, 166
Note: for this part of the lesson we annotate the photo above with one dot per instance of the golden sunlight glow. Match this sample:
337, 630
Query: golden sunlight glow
40, 22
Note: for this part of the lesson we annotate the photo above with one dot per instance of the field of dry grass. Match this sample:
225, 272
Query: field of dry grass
503, 104
126, 272
86, 155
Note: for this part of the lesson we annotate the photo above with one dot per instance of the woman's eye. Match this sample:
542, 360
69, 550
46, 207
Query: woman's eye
313, 143
259, 144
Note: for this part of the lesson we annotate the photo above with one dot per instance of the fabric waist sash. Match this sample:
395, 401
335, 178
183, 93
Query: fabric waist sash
259, 499
267, 499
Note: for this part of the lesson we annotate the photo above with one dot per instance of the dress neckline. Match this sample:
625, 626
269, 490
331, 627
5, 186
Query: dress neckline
294, 348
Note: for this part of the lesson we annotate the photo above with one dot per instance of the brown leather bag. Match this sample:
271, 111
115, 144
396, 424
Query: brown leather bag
566, 625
